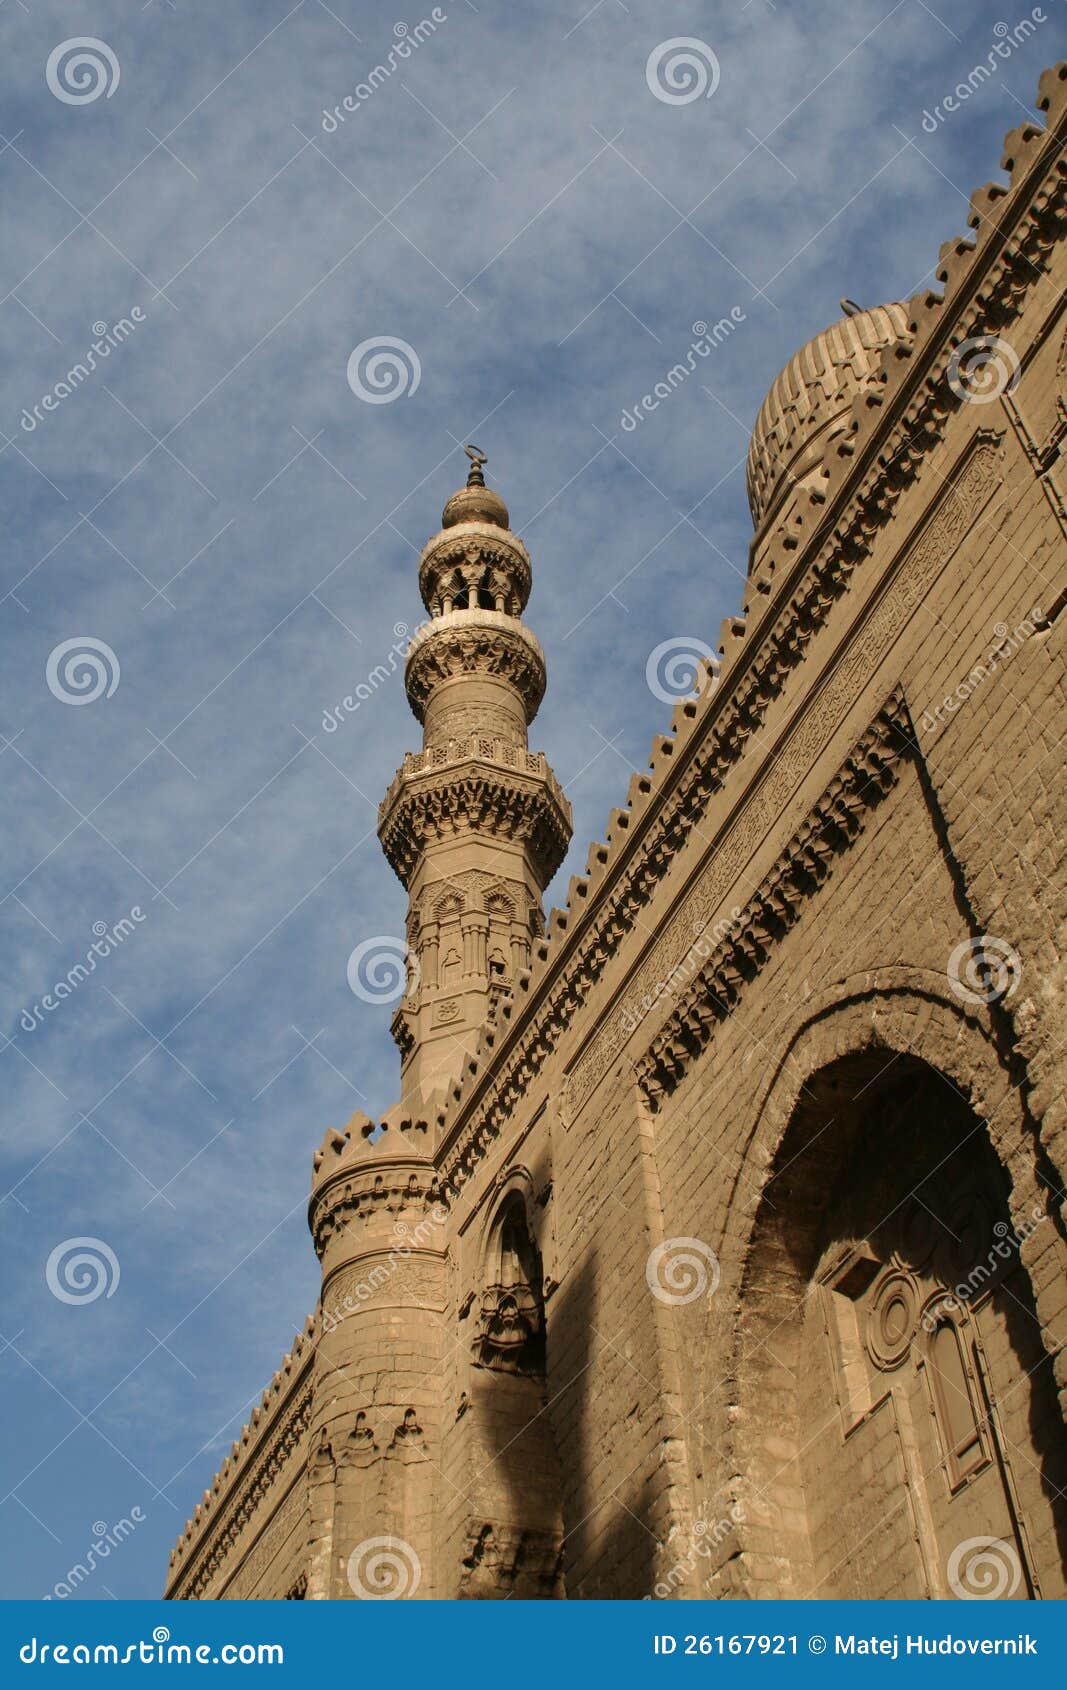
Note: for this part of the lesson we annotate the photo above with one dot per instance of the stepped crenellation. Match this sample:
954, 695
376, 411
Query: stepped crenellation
371, 1172
364, 1140
293, 1362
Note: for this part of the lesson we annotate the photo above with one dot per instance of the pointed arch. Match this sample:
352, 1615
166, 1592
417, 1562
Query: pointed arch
890, 1097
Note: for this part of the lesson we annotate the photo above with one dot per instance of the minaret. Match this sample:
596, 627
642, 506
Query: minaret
475, 824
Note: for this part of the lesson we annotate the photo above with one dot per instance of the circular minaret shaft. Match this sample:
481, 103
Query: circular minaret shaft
475, 824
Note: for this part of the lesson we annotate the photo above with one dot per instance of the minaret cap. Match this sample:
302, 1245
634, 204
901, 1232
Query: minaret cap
476, 502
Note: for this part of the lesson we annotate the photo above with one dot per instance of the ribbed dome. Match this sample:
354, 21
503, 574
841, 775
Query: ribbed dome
813, 393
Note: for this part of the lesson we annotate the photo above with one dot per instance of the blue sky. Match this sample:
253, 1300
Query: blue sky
219, 508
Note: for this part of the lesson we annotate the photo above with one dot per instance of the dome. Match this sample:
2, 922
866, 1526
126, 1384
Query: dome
813, 396
476, 502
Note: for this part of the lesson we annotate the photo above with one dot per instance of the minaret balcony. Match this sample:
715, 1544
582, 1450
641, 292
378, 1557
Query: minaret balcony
474, 643
476, 562
480, 786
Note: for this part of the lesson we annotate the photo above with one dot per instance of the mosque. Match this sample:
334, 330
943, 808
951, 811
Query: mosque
716, 1246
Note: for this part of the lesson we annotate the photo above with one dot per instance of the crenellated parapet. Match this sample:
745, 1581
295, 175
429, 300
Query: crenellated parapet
369, 1180
264, 1461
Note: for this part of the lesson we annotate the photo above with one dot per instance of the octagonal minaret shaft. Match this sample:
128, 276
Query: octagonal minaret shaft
475, 824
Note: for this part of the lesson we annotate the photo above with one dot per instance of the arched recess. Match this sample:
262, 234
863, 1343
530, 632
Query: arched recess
511, 1333
896, 1428
514, 1540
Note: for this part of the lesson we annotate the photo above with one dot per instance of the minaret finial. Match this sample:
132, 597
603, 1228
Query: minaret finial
478, 458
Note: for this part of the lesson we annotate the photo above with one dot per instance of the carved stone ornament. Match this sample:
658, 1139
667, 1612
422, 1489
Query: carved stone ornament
481, 554
511, 1334
475, 797
475, 642
511, 1561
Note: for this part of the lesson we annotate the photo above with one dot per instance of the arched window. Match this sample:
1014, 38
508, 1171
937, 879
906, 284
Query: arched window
957, 1422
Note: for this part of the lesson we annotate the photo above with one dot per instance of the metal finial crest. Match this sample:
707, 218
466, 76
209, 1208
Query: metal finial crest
478, 458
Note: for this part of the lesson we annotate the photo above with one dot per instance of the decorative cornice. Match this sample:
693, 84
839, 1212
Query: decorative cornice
716, 981
474, 793
264, 1451
474, 642
904, 583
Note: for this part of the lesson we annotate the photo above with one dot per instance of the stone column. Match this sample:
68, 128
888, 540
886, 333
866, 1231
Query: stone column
478, 928
431, 940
